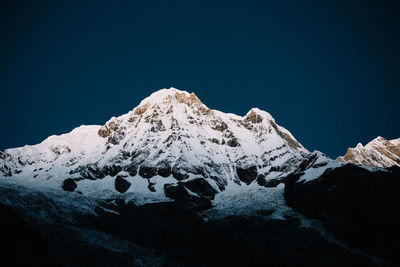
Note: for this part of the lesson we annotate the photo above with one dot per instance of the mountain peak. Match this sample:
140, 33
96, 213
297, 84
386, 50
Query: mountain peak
171, 137
257, 115
171, 95
379, 152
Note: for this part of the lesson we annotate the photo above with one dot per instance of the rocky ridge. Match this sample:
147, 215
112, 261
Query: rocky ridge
380, 152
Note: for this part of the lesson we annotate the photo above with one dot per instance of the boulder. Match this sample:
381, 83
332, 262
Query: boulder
121, 185
69, 185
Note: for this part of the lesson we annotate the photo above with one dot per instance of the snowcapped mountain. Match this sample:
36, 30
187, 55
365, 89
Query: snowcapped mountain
170, 138
173, 178
379, 152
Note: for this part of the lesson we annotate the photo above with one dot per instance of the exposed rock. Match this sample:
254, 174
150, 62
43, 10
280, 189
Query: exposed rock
379, 152
291, 142
179, 174
111, 170
205, 110
69, 185
170, 109
219, 125
131, 169
215, 141
116, 136
141, 109
58, 150
177, 192
107, 129
150, 186
164, 169
121, 185
247, 175
182, 196
268, 183
233, 142
147, 171
183, 98
201, 187
273, 183
132, 119
94, 172
158, 127
253, 117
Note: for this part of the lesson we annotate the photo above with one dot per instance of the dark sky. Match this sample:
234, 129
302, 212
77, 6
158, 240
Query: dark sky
328, 71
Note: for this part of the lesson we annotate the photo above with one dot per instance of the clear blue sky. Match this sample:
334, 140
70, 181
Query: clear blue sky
328, 71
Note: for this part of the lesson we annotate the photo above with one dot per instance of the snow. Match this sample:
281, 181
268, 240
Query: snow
183, 141
318, 167
248, 200
314, 173
54, 205
395, 142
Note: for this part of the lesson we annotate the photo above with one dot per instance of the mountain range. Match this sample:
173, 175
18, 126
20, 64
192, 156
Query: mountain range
173, 154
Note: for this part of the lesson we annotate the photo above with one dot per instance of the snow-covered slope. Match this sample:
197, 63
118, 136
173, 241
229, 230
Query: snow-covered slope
170, 137
379, 153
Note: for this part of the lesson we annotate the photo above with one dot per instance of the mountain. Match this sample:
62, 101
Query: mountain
175, 183
379, 153
170, 138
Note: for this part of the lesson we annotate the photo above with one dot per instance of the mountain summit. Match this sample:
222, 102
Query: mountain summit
171, 137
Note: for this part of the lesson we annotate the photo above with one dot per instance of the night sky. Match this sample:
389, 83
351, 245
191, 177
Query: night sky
328, 72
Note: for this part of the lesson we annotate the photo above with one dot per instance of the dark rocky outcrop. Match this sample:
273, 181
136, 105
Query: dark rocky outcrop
268, 183
179, 174
111, 170
201, 187
164, 170
359, 206
121, 185
131, 169
94, 172
247, 175
69, 185
147, 171
183, 198
233, 142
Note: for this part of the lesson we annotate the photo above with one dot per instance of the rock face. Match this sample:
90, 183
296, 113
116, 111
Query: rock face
379, 153
169, 138
359, 206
